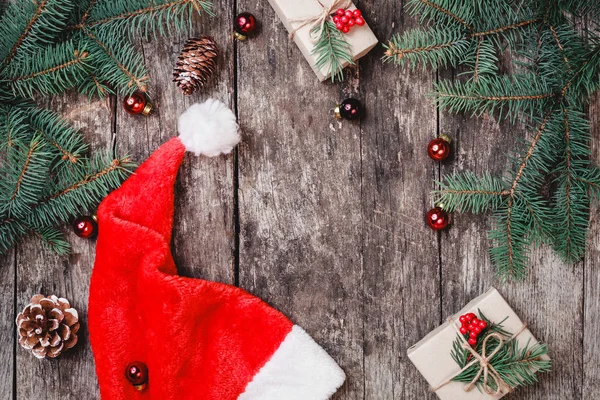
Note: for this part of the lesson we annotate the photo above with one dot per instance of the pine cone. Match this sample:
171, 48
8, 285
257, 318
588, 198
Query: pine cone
197, 63
48, 326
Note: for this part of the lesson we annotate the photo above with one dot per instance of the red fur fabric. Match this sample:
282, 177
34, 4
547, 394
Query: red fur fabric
199, 339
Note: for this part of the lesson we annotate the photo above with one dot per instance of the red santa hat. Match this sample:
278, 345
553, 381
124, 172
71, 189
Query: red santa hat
158, 335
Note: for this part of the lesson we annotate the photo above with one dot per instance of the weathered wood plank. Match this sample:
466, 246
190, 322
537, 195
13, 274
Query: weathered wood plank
551, 295
72, 376
300, 196
401, 253
591, 304
7, 324
203, 234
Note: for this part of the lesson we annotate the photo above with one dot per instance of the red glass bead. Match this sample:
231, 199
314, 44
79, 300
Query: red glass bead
439, 148
339, 26
356, 13
437, 219
137, 103
349, 13
85, 227
472, 341
471, 316
359, 21
344, 20
137, 374
336, 19
351, 23
477, 330
341, 12
473, 335
463, 319
463, 330
483, 324
346, 29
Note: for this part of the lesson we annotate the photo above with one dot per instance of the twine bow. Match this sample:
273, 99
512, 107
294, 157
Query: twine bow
319, 20
485, 367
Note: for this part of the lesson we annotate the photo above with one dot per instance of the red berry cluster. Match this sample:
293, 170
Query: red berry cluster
346, 19
472, 326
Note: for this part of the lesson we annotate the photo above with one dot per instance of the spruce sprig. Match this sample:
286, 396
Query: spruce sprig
332, 51
47, 175
517, 365
545, 196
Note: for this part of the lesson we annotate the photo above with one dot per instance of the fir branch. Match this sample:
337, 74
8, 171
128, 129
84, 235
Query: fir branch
140, 17
523, 94
130, 74
467, 192
27, 26
432, 48
51, 71
64, 201
332, 51
26, 176
13, 51
54, 240
502, 29
443, 8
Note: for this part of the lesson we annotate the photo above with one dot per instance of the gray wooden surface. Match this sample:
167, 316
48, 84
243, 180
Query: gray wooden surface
322, 219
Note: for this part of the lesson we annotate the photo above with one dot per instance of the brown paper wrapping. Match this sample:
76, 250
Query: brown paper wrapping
432, 356
360, 38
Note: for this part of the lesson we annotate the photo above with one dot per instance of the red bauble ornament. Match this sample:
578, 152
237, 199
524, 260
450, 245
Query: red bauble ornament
244, 25
137, 103
472, 342
344, 20
439, 148
85, 226
437, 219
137, 374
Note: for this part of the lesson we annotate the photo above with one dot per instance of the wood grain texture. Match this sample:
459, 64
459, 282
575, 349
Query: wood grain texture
591, 300
322, 219
8, 341
300, 196
401, 254
203, 234
72, 376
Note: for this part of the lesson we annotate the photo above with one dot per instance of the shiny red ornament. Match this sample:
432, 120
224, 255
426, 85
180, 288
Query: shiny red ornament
137, 103
437, 219
472, 342
439, 148
244, 25
137, 374
85, 226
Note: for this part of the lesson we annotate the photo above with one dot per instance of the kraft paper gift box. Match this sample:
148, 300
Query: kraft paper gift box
432, 355
360, 38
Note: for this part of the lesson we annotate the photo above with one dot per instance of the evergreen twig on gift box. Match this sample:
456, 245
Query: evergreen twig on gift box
556, 68
47, 174
515, 364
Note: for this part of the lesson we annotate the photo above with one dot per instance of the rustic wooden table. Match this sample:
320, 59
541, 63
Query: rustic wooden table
322, 219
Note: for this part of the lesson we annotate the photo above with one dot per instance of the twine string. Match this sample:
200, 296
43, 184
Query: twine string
485, 367
317, 21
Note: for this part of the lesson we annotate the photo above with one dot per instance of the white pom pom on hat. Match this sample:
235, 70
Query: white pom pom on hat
209, 129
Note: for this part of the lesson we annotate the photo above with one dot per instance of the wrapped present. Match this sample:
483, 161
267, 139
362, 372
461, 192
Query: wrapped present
305, 20
483, 352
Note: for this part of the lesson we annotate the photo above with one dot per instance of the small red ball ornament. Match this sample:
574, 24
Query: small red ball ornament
85, 226
137, 103
244, 25
344, 20
437, 219
137, 374
439, 148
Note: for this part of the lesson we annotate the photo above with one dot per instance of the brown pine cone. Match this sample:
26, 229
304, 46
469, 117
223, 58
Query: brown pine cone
196, 64
48, 326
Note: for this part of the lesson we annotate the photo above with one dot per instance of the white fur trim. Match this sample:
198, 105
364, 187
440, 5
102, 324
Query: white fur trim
209, 128
299, 370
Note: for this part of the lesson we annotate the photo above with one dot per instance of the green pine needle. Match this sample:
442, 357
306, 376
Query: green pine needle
47, 175
332, 51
